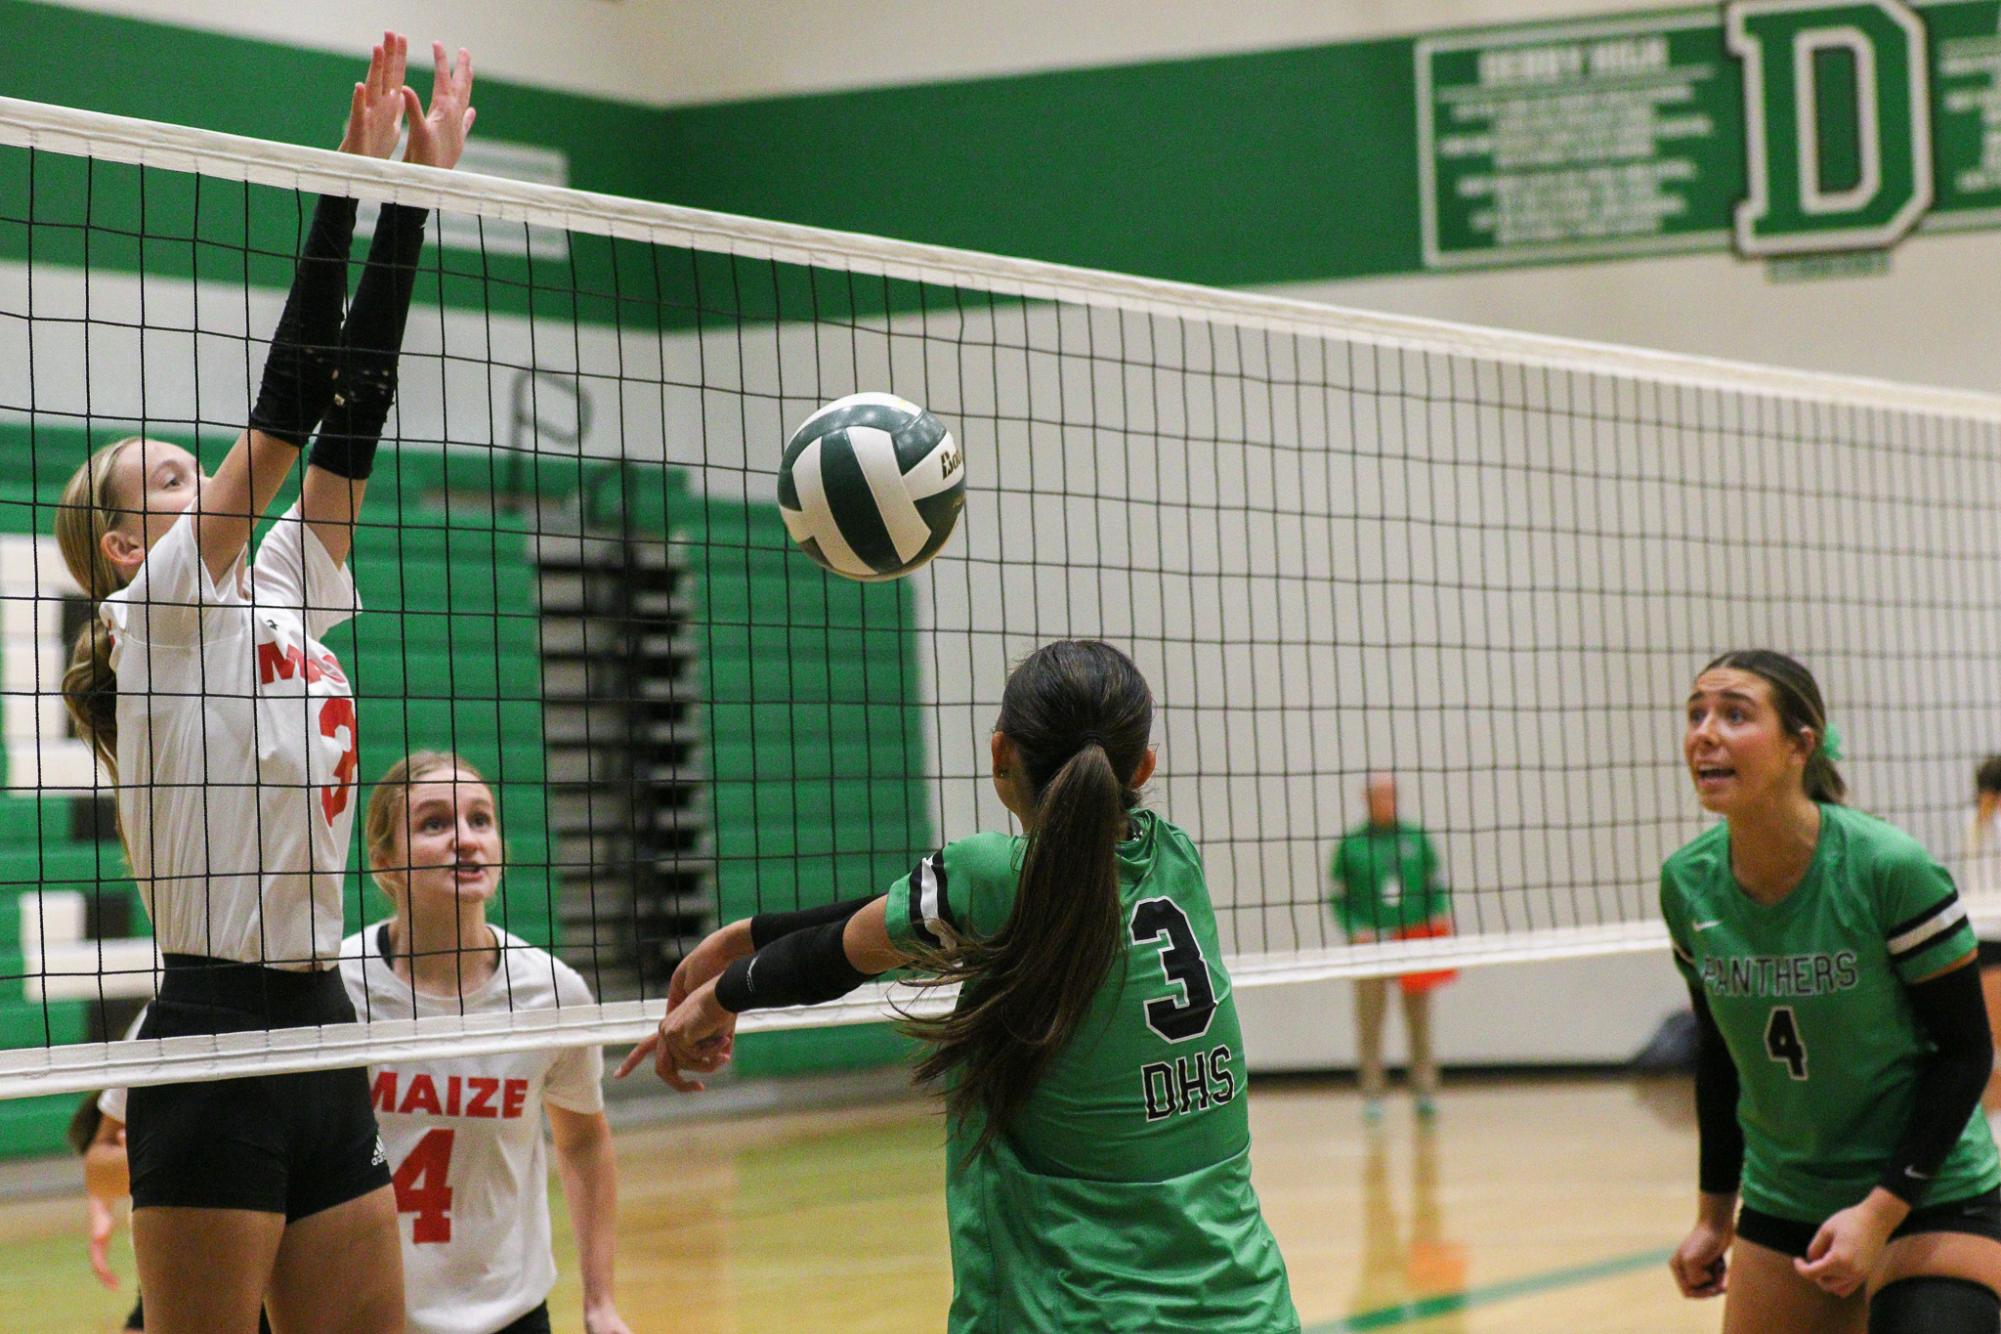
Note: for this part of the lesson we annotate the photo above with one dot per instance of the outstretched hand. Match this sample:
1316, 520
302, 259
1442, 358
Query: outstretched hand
375, 115
698, 1035
438, 135
721, 948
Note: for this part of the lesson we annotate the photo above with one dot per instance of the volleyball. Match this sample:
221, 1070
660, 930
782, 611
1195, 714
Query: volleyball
871, 486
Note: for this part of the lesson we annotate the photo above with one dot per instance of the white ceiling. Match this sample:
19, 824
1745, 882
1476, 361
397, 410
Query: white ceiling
666, 52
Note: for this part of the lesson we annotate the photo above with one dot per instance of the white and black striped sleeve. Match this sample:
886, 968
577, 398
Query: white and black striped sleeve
932, 923
1927, 941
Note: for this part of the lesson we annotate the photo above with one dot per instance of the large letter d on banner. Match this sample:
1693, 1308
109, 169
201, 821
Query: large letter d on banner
1837, 117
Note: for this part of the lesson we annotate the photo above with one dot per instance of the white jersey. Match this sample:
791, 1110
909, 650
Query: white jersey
1980, 876
236, 746
111, 1102
465, 1139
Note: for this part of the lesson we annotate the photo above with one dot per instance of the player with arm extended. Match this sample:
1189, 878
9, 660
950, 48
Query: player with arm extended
464, 1136
229, 730
1098, 1138
1843, 1042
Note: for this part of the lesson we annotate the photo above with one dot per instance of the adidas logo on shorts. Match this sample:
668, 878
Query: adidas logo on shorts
381, 1157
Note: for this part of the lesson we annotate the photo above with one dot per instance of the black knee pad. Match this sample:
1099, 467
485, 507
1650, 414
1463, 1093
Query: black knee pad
1935, 1306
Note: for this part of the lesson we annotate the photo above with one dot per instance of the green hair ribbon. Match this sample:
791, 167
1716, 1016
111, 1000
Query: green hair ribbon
1830, 744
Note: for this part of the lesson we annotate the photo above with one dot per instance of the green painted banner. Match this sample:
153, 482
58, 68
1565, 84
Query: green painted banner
1965, 44
1584, 139
1769, 126
1778, 127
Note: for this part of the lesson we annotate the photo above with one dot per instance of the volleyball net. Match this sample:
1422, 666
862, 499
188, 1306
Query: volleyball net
1337, 544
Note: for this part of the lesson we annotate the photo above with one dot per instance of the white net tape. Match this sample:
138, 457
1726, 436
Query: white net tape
1336, 542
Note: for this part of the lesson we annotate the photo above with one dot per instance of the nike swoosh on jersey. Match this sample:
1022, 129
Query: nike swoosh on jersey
1704, 926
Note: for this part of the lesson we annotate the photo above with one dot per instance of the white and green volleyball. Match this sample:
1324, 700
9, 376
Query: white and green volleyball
871, 486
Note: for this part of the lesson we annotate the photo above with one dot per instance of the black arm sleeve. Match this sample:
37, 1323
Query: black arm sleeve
1717, 1127
769, 926
804, 968
369, 345
1954, 1016
299, 372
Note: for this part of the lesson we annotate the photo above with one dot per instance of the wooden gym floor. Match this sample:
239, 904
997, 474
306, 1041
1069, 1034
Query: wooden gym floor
1528, 1205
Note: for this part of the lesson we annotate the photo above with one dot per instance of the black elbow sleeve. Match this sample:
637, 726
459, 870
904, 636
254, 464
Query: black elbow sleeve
1953, 1013
803, 968
370, 344
299, 370
1721, 1161
769, 926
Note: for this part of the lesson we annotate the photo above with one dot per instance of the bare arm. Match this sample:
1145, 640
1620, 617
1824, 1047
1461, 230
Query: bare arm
589, 1171
330, 503
867, 942
104, 1168
106, 1181
236, 497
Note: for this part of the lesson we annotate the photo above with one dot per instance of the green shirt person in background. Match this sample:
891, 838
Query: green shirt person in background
1387, 887
1098, 1140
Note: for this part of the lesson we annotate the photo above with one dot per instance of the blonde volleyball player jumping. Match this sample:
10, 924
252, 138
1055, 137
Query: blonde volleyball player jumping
465, 1135
230, 731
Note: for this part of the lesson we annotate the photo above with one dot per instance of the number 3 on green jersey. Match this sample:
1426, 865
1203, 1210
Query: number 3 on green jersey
1182, 962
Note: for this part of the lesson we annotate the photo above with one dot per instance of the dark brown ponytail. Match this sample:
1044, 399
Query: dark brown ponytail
1080, 715
1797, 697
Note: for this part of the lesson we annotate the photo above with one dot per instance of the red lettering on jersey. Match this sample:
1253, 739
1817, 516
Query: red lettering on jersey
383, 1094
514, 1099
482, 1097
335, 714
274, 661
423, 1187
452, 1097
422, 1097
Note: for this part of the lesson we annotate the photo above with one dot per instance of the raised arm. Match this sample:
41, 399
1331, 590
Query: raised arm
301, 370
344, 454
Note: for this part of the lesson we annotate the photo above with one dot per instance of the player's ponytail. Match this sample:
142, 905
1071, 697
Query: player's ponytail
86, 512
1797, 697
1079, 715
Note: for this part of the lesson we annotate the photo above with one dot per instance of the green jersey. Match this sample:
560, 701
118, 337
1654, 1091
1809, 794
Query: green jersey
1386, 879
1809, 994
1120, 1198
